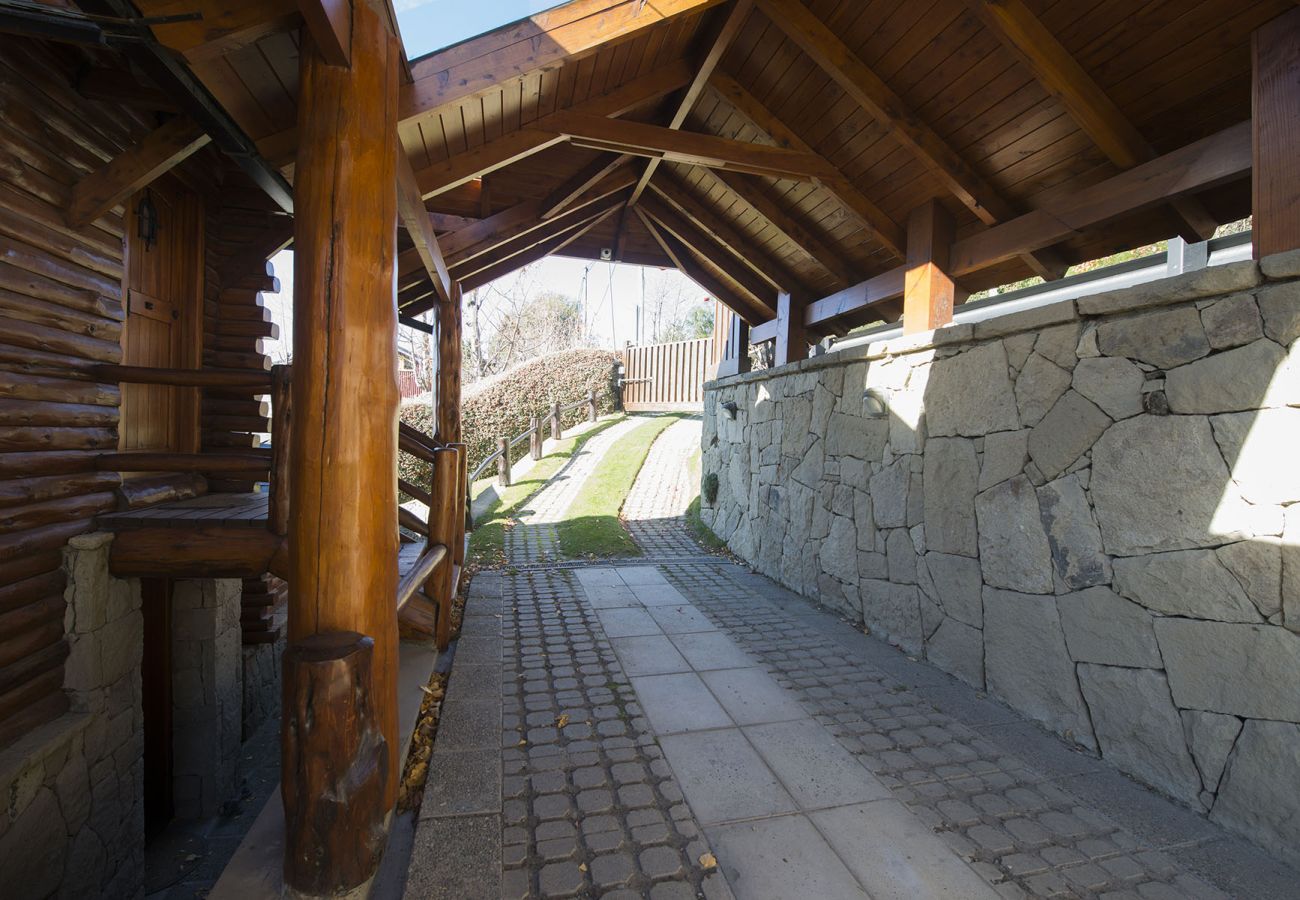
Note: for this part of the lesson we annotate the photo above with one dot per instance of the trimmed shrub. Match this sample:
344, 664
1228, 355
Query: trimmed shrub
710, 488
500, 406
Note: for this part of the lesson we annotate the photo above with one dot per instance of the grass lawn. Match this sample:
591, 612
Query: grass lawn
703, 533
487, 542
591, 527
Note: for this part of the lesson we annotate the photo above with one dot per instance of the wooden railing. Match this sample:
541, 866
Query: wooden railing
533, 434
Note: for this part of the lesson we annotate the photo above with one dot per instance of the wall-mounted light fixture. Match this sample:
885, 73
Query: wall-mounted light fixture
146, 220
729, 409
875, 403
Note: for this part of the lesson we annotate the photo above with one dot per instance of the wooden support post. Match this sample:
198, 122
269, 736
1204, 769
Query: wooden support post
334, 764
928, 291
443, 530
503, 462
1276, 103
791, 338
593, 413
449, 363
343, 457
735, 359
556, 431
535, 437
463, 522
281, 438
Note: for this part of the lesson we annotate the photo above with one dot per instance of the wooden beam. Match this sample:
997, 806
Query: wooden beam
736, 16
878, 289
791, 338
582, 181
1275, 50
531, 237
330, 24
681, 256
871, 217
163, 149
710, 151
870, 92
343, 508
504, 58
224, 27
415, 218
541, 251
1083, 98
928, 290
708, 247
826, 256
537, 136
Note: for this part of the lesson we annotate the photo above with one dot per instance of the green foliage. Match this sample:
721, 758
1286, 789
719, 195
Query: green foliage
709, 487
500, 406
697, 323
591, 527
703, 533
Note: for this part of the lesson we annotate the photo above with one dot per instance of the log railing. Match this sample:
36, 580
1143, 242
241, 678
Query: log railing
534, 435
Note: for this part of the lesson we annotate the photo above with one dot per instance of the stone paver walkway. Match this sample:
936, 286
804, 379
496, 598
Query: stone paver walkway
612, 730
664, 488
533, 539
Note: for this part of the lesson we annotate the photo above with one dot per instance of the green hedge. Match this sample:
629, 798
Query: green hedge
500, 406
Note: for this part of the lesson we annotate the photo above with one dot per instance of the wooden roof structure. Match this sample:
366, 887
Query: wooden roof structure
772, 145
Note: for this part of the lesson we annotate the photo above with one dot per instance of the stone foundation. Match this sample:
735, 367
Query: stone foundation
261, 684
1090, 509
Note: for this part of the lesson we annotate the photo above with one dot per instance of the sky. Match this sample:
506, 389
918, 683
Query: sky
613, 293
429, 25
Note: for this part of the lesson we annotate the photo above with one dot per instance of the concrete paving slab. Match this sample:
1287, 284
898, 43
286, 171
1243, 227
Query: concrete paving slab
642, 575
751, 697
456, 858
678, 702
599, 577
475, 682
723, 778
781, 859
650, 654
462, 782
484, 650
682, 618
813, 766
711, 650
896, 856
611, 596
469, 725
658, 594
627, 622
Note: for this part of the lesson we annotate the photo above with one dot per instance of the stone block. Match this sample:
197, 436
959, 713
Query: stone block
1038, 386
1102, 627
1005, 453
957, 586
1111, 382
1291, 569
1192, 583
1026, 662
1138, 729
1018, 348
1032, 319
1014, 552
1257, 566
1240, 379
1259, 447
1164, 339
1145, 503
1252, 797
1279, 306
1210, 737
970, 393
958, 649
1241, 670
1058, 344
949, 483
889, 489
901, 555
1281, 265
1232, 321
1065, 433
893, 611
1072, 533
33, 849
1208, 282
839, 552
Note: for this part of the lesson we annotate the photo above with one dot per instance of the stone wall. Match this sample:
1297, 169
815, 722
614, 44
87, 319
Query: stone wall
261, 684
1088, 509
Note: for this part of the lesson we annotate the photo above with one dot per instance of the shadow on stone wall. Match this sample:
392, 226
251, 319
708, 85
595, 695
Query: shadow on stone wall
1082, 508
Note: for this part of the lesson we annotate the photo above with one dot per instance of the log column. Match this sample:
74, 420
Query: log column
928, 291
1276, 117
449, 361
343, 509
791, 337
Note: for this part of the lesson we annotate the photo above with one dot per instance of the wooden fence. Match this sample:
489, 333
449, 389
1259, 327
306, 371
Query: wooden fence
662, 377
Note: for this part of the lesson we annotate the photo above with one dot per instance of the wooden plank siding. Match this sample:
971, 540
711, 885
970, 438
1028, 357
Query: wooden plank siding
666, 377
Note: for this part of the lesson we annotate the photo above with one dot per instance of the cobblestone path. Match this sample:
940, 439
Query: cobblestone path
533, 539
655, 507
678, 727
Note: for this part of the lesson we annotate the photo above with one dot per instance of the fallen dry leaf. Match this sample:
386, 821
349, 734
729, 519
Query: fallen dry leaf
562, 720
708, 861
582, 867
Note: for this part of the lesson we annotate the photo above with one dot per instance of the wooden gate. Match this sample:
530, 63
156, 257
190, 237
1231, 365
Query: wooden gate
662, 377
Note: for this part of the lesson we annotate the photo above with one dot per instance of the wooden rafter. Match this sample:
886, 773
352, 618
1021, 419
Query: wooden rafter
161, 150
731, 25
869, 91
1086, 101
463, 167
554, 245
542, 42
886, 231
224, 27
582, 181
692, 269
415, 218
330, 25
753, 193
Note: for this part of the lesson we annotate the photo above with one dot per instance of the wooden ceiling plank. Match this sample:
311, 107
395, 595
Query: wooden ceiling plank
1092, 109
829, 258
225, 26
731, 26
512, 53
689, 267
137, 166
415, 218
533, 237
583, 180
330, 25
884, 229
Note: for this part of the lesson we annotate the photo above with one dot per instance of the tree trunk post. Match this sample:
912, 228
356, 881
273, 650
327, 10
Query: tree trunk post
343, 537
443, 529
556, 431
592, 412
535, 437
503, 462
281, 438
449, 363
462, 502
